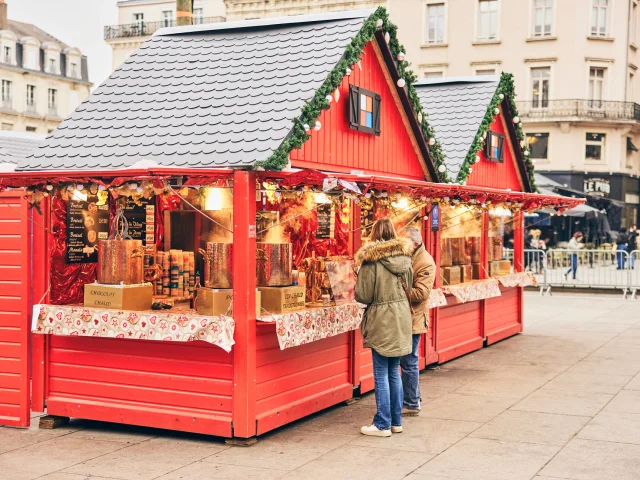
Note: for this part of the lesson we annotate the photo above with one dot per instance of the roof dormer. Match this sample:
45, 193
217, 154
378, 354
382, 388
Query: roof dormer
73, 62
51, 57
8, 41
30, 53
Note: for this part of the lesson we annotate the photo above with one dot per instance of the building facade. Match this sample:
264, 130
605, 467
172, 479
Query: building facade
139, 19
575, 64
42, 80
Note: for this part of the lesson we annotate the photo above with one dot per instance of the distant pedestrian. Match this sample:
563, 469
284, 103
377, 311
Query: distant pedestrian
632, 245
424, 274
383, 282
575, 244
622, 250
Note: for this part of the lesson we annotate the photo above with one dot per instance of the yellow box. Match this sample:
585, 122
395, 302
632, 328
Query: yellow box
121, 297
466, 273
218, 301
282, 299
499, 267
450, 275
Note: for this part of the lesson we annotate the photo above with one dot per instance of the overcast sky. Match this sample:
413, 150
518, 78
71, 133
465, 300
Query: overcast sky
78, 23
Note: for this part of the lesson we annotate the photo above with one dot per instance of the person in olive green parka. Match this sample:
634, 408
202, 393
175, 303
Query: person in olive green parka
387, 323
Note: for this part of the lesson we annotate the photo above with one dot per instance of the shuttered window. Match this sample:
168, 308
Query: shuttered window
364, 110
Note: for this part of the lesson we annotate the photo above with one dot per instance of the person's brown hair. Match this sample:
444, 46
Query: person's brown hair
383, 230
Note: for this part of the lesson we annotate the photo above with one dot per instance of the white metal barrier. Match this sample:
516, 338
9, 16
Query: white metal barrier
634, 272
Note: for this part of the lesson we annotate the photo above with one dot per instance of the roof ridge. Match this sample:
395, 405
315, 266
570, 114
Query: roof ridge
43, 32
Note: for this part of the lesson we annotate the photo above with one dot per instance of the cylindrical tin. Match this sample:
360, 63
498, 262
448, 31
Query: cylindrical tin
218, 265
473, 249
120, 261
446, 252
274, 263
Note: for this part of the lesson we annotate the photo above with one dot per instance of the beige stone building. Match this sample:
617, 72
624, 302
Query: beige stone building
42, 80
139, 19
575, 64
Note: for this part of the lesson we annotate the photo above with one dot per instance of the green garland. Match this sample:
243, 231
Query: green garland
311, 111
505, 90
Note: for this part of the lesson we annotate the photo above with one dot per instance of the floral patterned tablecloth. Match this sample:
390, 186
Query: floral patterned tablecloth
437, 298
175, 326
472, 291
521, 279
306, 326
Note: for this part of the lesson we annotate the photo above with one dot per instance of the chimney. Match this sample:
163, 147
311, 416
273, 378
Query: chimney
4, 24
184, 12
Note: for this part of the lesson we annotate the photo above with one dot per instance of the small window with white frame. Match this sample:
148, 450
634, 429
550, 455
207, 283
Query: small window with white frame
600, 12
198, 16
7, 58
435, 23
433, 74
487, 29
595, 147
633, 27
538, 146
543, 18
596, 86
485, 71
540, 80
7, 93
167, 18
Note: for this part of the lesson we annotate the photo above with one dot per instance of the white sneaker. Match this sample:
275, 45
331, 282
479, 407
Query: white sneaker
396, 429
374, 431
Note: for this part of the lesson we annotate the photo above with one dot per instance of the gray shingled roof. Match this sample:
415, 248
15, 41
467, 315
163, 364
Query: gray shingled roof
218, 95
15, 146
456, 107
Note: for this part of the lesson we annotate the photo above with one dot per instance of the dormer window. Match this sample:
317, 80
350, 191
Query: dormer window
7, 55
52, 66
364, 110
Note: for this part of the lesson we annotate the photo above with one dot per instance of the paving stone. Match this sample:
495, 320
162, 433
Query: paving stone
634, 384
606, 366
595, 460
15, 438
478, 458
114, 432
73, 476
499, 388
563, 403
361, 463
447, 377
285, 449
627, 401
587, 382
209, 471
431, 435
341, 420
149, 459
613, 427
532, 427
55, 454
470, 408
537, 357
486, 359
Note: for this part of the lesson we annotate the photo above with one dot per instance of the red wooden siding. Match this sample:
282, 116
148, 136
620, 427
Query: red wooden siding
459, 329
337, 147
296, 382
503, 315
493, 174
14, 306
158, 384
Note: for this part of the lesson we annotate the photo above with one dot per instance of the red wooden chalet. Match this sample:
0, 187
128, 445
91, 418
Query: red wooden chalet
215, 106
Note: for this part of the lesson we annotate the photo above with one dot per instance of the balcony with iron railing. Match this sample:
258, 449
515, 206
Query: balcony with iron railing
593, 110
144, 29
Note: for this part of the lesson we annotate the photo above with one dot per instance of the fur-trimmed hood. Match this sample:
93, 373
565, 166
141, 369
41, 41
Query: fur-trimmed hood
376, 251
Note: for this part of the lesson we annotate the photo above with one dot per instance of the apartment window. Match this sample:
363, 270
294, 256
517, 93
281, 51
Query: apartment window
634, 23
596, 84
540, 78
52, 65
138, 17
487, 19
435, 23
600, 18
495, 147
438, 74
73, 70
538, 145
542, 18
7, 93
486, 71
198, 16
631, 89
53, 101
594, 149
167, 18
6, 126
7, 54
31, 97
31, 129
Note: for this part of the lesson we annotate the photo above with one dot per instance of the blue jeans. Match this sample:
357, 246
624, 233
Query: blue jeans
388, 385
574, 265
410, 376
621, 257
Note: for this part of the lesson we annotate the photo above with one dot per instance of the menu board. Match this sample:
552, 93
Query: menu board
326, 220
87, 222
141, 218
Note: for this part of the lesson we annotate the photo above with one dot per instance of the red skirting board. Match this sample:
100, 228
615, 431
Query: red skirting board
459, 329
299, 381
503, 315
156, 384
